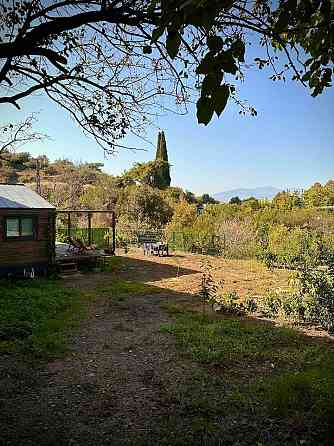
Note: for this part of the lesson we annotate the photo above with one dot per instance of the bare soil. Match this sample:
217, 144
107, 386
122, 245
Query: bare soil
182, 273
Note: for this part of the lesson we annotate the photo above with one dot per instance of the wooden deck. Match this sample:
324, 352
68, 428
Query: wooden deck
65, 254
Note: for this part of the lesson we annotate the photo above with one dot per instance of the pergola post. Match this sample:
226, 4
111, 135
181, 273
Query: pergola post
69, 224
113, 223
89, 215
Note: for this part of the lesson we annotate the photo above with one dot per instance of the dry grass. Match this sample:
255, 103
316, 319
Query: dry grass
243, 276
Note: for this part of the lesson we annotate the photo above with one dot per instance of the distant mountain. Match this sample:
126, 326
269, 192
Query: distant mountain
258, 192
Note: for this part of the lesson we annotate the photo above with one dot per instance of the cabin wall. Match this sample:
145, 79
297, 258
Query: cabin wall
20, 254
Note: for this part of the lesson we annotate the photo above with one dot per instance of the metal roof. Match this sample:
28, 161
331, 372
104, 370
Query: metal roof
18, 196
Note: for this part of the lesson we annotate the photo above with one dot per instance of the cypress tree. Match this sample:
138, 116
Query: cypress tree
157, 156
163, 175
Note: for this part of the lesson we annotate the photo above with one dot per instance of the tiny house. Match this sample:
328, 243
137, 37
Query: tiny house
27, 231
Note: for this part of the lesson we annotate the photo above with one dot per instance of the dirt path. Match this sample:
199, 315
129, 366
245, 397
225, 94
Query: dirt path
116, 387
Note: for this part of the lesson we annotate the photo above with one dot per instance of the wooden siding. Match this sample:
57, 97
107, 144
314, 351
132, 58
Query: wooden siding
28, 252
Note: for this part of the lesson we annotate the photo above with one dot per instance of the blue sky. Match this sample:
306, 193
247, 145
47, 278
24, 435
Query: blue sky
289, 144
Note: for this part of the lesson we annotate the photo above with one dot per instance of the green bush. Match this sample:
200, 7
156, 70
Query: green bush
250, 304
270, 304
290, 247
229, 303
309, 299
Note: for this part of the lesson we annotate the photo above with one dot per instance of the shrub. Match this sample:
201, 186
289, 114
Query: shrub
309, 299
240, 236
290, 247
225, 302
230, 303
317, 289
250, 304
270, 303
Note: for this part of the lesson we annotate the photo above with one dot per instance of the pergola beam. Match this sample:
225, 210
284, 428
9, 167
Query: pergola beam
83, 211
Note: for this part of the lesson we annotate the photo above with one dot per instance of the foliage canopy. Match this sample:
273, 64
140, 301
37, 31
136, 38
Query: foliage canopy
107, 61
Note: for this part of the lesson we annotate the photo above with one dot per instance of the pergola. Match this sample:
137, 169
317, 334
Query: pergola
89, 213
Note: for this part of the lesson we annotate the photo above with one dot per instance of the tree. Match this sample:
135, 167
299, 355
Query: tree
14, 136
144, 173
235, 200
318, 195
142, 207
107, 62
252, 203
288, 200
206, 199
104, 194
190, 197
184, 216
162, 179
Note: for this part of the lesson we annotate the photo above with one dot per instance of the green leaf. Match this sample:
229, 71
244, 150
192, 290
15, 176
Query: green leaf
327, 75
147, 49
211, 82
215, 43
306, 76
206, 64
205, 110
226, 62
238, 50
220, 99
283, 21
157, 33
173, 43
227, 4
151, 7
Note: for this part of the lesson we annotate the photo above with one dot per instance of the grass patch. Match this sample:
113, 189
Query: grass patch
171, 308
119, 290
262, 373
113, 264
34, 316
231, 341
308, 391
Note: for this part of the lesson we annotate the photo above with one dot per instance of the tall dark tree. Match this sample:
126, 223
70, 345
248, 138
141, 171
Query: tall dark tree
163, 174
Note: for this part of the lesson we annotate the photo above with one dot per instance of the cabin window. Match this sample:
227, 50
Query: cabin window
20, 228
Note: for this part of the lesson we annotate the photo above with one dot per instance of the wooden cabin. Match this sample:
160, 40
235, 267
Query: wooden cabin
27, 231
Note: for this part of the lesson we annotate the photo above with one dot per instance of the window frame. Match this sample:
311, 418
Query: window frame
21, 237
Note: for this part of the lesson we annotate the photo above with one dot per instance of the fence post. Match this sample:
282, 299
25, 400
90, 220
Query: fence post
69, 224
113, 224
89, 228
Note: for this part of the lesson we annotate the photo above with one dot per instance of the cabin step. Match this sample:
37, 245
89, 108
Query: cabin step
68, 268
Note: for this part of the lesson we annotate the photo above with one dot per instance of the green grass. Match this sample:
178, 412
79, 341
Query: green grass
260, 371
119, 290
230, 341
35, 315
113, 264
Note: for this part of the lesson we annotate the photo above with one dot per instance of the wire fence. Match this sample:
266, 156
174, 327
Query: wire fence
101, 237
177, 241
201, 244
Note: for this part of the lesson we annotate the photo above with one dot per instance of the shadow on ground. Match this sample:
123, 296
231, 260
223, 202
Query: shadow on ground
143, 270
